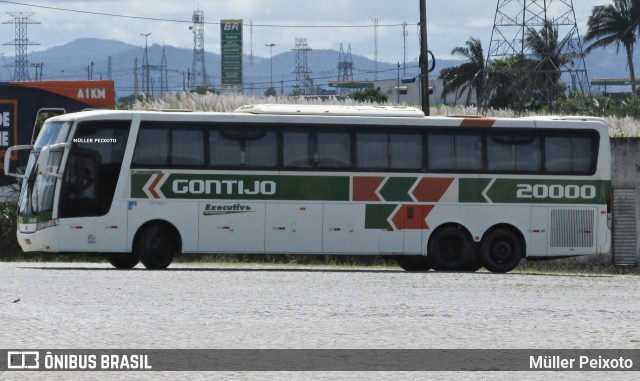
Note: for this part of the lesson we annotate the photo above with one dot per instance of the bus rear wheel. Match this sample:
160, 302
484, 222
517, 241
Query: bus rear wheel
123, 260
450, 249
501, 251
414, 263
156, 246
473, 264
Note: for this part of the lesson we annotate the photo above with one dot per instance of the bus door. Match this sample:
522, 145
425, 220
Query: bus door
405, 236
87, 220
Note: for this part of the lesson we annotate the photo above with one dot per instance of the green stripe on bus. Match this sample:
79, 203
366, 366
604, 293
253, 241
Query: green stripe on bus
397, 189
376, 216
470, 190
244, 187
138, 181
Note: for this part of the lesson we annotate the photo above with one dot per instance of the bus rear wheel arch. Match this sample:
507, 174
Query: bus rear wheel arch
501, 249
156, 243
450, 248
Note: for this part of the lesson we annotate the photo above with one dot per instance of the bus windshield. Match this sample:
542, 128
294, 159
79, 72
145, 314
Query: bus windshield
36, 196
52, 133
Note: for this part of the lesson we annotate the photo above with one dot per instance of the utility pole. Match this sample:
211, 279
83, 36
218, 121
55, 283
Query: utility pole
424, 56
135, 78
198, 77
270, 46
21, 41
405, 34
375, 49
146, 78
398, 86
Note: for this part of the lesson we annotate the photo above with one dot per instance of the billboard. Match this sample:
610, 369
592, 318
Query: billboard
231, 52
21, 103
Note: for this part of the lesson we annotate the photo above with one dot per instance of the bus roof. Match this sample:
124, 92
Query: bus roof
332, 110
339, 114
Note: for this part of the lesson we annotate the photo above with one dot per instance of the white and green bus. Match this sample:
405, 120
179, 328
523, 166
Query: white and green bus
444, 193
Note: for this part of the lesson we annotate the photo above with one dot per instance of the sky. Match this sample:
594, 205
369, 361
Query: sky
325, 24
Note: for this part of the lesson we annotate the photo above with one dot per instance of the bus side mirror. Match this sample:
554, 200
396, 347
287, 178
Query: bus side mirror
7, 160
45, 164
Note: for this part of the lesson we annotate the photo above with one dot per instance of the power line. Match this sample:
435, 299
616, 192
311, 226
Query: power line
188, 21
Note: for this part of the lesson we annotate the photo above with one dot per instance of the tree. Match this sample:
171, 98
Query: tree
371, 96
635, 14
506, 83
468, 76
545, 46
615, 23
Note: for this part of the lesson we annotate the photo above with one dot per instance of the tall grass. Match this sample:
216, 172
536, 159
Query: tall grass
224, 103
8, 226
618, 126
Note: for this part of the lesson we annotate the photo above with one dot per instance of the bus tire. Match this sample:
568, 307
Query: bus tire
414, 263
155, 246
449, 249
501, 250
474, 263
123, 260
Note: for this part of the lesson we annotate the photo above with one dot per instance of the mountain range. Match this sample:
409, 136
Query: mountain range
77, 59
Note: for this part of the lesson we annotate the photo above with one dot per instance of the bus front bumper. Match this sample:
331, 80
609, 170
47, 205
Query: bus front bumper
45, 240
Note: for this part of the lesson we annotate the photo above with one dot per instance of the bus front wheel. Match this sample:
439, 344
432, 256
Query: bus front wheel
156, 246
124, 260
501, 251
450, 249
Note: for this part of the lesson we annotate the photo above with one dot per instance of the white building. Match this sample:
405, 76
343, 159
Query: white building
410, 92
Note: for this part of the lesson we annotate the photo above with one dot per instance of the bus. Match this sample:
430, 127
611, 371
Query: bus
442, 193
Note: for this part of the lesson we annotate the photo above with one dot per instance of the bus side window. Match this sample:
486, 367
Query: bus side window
513, 152
568, 154
405, 151
455, 151
152, 147
296, 149
224, 152
262, 152
243, 147
372, 150
381, 150
317, 149
187, 147
334, 150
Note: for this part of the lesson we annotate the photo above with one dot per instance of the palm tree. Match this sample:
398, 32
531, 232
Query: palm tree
615, 23
545, 45
635, 14
468, 76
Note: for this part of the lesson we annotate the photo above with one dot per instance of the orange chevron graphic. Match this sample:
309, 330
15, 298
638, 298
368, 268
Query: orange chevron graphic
478, 122
365, 187
412, 217
154, 184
